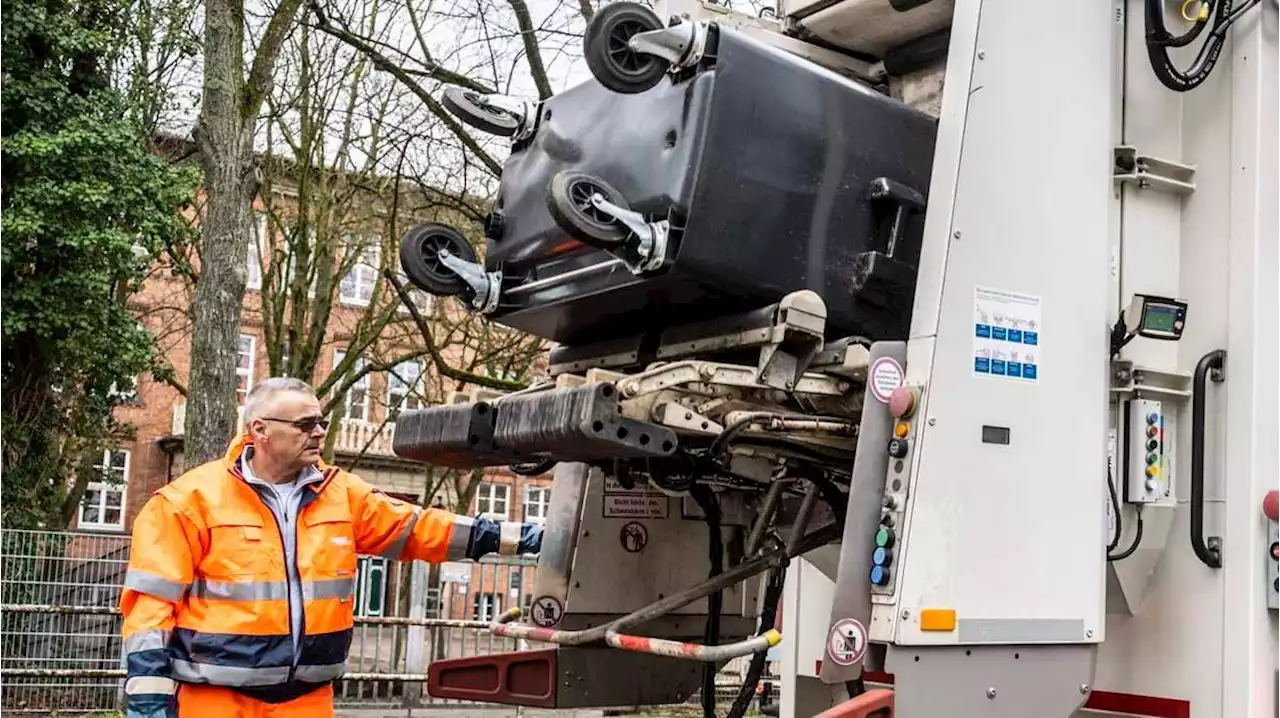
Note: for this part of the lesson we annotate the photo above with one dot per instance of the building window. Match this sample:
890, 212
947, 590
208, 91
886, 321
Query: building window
403, 387
103, 504
257, 245
536, 501
357, 285
244, 367
357, 399
491, 501
486, 606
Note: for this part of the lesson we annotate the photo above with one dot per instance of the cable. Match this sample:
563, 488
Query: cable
533, 469
1159, 40
1137, 539
768, 613
1115, 511
711, 636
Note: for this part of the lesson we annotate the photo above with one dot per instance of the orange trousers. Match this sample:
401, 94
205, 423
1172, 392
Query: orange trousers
203, 701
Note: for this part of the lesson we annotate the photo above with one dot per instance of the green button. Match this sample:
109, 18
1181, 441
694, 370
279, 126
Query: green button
884, 538
1152, 458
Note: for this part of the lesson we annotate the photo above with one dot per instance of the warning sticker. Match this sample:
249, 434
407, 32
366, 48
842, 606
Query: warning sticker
884, 377
636, 506
613, 486
546, 611
1006, 335
847, 643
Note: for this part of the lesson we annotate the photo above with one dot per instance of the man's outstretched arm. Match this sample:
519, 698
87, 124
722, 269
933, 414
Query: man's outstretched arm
161, 568
401, 531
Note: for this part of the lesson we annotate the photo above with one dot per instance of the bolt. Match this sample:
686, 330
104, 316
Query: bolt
991, 692
956, 234
932, 421
982, 55
707, 371
1084, 688
1088, 634
906, 613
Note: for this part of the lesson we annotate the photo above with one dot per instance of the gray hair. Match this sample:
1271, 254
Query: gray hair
260, 396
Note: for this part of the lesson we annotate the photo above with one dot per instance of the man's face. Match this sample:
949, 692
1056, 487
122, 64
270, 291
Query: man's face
288, 432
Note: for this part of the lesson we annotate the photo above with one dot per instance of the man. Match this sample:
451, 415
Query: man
238, 599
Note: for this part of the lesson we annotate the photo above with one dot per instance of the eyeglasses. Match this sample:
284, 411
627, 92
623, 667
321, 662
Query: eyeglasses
307, 423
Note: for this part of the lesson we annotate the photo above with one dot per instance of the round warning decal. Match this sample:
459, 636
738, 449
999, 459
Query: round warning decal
634, 537
546, 611
847, 643
884, 376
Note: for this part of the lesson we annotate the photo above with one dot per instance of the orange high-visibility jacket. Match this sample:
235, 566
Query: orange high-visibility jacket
207, 595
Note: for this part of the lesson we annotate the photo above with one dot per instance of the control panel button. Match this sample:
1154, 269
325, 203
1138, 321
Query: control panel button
1152, 458
1152, 445
887, 520
890, 503
902, 429
1152, 431
884, 537
902, 402
881, 557
1151, 484
897, 448
1153, 418
879, 575
1275, 551
1152, 471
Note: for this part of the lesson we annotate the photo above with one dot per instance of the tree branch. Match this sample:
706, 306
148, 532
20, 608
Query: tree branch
259, 83
531, 49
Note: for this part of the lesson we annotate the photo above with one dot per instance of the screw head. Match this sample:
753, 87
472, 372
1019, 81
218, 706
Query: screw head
1084, 688
991, 692
932, 421
1088, 634
982, 55
956, 234
906, 613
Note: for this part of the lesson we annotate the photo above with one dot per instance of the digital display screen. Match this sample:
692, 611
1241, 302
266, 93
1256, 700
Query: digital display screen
1159, 317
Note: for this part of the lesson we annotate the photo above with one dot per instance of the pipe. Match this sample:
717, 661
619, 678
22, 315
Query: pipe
771, 499
751, 567
1209, 554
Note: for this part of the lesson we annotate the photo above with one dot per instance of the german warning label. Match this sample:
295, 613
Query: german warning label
847, 643
546, 611
885, 377
634, 537
636, 506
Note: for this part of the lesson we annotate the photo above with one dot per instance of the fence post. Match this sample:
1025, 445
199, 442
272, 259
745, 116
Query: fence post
416, 640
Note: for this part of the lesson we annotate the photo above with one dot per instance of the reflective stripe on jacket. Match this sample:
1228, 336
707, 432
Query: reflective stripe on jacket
207, 593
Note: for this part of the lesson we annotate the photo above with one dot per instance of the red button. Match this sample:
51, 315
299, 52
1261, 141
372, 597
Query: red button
1271, 505
902, 402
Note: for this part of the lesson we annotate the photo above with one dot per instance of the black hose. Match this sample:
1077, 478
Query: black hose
768, 614
1137, 539
533, 469
1159, 40
1115, 512
711, 636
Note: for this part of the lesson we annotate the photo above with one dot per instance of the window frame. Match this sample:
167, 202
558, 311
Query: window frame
247, 373
104, 490
506, 500
545, 504
363, 383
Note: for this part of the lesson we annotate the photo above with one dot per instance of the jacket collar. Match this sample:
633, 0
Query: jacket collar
244, 442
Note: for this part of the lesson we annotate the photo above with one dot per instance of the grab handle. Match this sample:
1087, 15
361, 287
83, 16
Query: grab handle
1209, 367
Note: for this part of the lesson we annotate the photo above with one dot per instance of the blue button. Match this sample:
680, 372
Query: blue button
880, 557
1029, 371
997, 367
1153, 418
997, 333
982, 365
879, 575
1030, 338
983, 331
1015, 335
1013, 368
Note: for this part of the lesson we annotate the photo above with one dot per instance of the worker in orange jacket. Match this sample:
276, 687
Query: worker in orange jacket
238, 600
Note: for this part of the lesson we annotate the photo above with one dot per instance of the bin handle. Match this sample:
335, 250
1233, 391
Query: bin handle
1210, 366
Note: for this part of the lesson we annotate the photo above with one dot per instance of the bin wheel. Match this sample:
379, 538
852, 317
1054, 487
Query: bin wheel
611, 62
470, 107
419, 257
569, 201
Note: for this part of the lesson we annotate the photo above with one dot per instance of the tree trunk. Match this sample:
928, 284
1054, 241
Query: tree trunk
225, 139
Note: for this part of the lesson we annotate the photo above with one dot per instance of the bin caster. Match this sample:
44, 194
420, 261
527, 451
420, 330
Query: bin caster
608, 52
588, 209
496, 114
440, 261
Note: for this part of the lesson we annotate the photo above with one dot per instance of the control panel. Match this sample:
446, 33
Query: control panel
1156, 317
1271, 509
1148, 454
903, 403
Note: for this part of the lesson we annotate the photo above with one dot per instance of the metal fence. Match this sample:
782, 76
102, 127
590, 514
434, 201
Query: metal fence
64, 591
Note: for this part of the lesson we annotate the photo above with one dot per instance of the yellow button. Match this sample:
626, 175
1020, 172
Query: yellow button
1152, 471
901, 430
937, 619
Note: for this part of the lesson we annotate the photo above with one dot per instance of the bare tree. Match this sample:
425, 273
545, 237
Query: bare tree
228, 119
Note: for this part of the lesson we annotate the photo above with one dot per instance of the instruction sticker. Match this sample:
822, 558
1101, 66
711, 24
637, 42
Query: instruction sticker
634, 537
1006, 335
847, 642
636, 506
885, 376
546, 611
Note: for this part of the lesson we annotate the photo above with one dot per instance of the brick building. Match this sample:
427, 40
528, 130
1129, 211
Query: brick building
362, 433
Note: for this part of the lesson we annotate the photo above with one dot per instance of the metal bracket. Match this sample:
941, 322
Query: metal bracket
682, 44
649, 249
1140, 381
1130, 167
524, 110
485, 286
